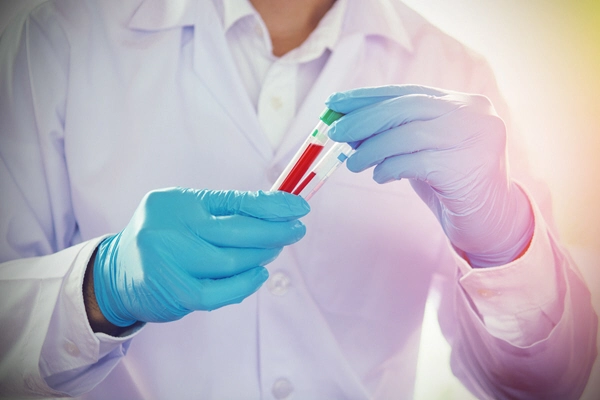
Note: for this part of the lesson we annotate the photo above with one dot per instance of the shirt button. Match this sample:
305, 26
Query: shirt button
276, 102
282, 388
72, 349
278, 283
487, 293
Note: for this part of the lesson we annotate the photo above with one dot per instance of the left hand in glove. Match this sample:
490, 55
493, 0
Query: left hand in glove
452, 147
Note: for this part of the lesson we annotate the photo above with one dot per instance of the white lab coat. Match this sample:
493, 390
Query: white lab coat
101, 103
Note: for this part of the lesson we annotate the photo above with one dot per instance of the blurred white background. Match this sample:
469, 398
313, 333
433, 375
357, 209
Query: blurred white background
546, 55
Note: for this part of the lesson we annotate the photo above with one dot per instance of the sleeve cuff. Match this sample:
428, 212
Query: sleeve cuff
521, 301
70, 342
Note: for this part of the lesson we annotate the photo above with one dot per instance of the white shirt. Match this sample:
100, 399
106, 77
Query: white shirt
267, 77
101, 102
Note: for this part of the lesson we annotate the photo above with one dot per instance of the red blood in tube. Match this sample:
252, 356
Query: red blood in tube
305, 182
302, 165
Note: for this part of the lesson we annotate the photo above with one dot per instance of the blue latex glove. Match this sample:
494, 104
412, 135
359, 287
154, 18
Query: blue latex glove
187, 250
452, 148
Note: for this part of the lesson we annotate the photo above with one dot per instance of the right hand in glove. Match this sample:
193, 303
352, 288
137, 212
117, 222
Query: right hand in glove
187, 250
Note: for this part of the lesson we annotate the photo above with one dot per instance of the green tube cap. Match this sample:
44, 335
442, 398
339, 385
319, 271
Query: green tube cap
329, 116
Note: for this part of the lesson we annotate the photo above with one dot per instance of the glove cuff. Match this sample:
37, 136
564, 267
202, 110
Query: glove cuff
517, 231
106, 283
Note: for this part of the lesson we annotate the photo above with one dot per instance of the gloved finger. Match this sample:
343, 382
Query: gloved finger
351, 100
210, 294
408, 166
454, 188
388, 114
271, 206
218, 263
427, 194
242, 231
405, 139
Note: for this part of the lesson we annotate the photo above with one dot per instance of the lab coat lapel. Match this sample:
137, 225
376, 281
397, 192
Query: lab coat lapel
336, 76
222, 79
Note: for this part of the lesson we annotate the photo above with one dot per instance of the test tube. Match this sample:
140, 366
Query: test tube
330, 162
307, 154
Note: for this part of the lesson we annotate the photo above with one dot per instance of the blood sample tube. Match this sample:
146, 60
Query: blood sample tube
307, 154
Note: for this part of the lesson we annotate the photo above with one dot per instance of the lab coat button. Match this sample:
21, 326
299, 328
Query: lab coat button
278, 283
72, 349
276, 102
282, 388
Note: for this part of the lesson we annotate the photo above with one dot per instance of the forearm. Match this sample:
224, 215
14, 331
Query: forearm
97, 321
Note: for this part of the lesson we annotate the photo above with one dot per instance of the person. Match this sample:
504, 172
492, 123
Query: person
138, 139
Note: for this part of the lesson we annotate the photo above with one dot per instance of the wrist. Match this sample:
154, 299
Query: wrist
96, 318
106, 283
513, 234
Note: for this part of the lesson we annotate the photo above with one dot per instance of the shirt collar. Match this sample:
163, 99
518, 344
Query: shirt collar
323, 37
233, 10
377, 18
328, 29
369, 18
